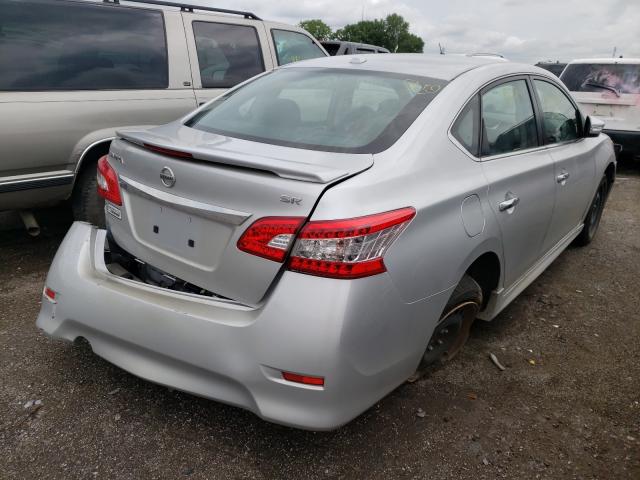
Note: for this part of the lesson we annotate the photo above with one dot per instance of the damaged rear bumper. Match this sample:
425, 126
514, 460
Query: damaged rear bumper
358, 335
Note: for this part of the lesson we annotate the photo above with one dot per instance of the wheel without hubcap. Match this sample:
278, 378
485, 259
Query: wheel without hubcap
451, 333
453, 328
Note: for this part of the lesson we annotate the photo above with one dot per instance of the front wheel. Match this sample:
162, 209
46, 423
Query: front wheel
592, 220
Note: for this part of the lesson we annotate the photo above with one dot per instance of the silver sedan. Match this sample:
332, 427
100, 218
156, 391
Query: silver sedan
306, 242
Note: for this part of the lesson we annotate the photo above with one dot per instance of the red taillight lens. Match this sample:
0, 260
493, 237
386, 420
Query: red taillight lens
347, 249
306, 379
107, 177
270, 237
168, 151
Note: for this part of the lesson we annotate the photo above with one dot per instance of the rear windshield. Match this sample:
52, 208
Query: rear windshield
593, 77
321, 109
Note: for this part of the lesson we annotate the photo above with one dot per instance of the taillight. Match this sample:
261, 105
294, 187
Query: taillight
107, 178
351, 248
270, 237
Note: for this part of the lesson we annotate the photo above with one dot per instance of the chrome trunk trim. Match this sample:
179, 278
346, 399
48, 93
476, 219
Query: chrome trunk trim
214, 212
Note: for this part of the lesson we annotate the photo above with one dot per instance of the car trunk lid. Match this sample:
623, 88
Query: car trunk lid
184, 216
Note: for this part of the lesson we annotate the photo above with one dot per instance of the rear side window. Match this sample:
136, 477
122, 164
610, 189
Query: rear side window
64, 45
294, 46
592, 77
508, 123
227, 54
466, 128
559, 115
365, 50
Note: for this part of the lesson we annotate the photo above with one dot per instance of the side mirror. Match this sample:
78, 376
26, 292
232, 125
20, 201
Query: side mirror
593, 127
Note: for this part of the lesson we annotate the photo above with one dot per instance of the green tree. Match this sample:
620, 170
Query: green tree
392, 33
317, 28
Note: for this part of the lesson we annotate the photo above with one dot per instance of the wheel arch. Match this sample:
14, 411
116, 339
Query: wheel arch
610, 172
486, 270
485, 265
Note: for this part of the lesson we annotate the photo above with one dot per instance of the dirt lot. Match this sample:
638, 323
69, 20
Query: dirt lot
567, 406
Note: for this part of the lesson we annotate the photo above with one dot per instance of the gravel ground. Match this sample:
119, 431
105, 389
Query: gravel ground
567, 405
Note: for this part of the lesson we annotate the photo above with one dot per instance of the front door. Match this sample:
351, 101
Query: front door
573, 158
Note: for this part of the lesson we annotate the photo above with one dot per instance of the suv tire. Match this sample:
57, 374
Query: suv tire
86, 204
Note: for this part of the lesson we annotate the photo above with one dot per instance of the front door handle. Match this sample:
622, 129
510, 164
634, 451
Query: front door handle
562, 178
510, 202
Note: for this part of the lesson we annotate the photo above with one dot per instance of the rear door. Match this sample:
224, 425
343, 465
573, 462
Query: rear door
574, 160
224, 52
519, 173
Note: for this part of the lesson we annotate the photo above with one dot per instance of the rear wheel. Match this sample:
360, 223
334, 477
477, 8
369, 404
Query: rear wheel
452, 330
592, 220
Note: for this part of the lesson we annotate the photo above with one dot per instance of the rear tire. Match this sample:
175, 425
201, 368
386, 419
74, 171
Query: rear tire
87, 206
452, 330
594, 215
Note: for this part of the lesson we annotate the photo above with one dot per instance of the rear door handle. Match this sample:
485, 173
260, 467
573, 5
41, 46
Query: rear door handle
510, 202
562, 177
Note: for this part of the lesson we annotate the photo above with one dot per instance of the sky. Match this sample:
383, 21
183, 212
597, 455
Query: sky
521, 30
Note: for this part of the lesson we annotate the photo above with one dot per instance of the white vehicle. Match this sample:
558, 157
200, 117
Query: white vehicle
609, 88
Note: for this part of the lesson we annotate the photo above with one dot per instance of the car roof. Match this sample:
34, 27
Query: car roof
608, 60
442, 67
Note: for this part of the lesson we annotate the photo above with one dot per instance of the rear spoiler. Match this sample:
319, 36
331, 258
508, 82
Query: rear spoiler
328, 167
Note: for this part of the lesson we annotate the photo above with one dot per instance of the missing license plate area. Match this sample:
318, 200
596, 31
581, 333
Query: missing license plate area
177, 235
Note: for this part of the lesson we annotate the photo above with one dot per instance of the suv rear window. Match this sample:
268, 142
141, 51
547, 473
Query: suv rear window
227, 54
594, 77
321, 109
64, 45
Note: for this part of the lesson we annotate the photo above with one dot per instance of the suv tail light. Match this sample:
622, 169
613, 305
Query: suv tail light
351, 248
107, 178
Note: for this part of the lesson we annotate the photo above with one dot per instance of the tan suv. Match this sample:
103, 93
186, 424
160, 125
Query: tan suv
72, 72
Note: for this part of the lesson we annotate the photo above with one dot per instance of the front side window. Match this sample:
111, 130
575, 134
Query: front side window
294, 46
80, 46
559, 116
321, 109
227, 54
616, 78
508, 122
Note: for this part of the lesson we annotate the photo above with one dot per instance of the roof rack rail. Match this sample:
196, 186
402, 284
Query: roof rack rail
189, 8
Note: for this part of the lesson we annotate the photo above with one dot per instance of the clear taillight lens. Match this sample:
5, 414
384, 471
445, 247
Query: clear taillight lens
107, 179
270, 237
351, 248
